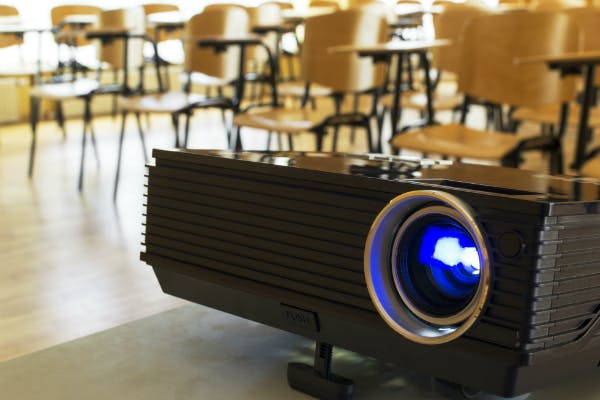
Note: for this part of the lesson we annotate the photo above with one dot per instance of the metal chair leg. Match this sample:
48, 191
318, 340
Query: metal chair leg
86, 123
34, 115
60, 119
355, 101
337, 101
120, 152
188, 116
175, 121
369, 136
236, 140
94, 144
142, 136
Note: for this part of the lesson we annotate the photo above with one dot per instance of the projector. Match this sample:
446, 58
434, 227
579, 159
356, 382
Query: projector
485, 278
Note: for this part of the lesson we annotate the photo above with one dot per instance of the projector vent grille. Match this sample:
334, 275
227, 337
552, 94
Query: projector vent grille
566, 295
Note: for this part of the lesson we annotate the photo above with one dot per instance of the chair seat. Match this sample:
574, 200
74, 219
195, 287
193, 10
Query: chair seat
591, 168
418, 101
458, 141
281, 120
198, 78
25, 70
169, 102
65, 90
550, 114
297, 89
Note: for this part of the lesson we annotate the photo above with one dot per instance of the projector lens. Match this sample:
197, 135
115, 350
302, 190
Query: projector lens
437, 265
427, 266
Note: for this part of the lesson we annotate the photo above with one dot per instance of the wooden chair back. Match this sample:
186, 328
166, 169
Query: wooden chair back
556, 5
59, 13
264, 14
132, 19
227, 21
588, 20
343, 72
492, 42
451, 24
155, 8
377, 7
9, 40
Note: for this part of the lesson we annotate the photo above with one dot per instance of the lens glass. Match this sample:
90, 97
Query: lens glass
438, 265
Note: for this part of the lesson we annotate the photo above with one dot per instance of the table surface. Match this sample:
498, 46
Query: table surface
20, 28
79, 19
393, 47
166, 18
193, 352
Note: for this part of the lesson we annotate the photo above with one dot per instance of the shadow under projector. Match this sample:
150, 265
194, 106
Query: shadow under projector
486, 278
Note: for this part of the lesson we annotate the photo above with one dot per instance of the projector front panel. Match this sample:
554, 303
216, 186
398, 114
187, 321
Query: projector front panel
305, 239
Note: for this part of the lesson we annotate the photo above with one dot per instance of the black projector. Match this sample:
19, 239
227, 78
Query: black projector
485, 278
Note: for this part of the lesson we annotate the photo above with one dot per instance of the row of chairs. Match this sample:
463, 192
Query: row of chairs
221, 67
485, 46
346, 73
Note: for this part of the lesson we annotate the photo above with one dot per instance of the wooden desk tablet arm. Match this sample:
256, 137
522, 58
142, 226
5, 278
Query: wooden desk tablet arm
107, 36
579, 63
221, 43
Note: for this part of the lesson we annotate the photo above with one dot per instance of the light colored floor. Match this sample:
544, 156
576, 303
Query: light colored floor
194, 352
69, 262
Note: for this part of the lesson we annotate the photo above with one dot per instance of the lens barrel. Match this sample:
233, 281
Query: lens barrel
427, 266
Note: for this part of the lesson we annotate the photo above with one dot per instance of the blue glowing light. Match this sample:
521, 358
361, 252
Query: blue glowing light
451, 256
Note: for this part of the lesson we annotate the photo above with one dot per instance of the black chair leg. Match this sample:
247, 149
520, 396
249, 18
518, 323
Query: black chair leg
355, 101
290, 142
34, 115
337, 101
223, 116
188, 116
142, 136
236, 143
268, 145
380, 120
86, 124
175, 121
60, 119
556, 161
369, 136
94, 144
319, 137
119, 153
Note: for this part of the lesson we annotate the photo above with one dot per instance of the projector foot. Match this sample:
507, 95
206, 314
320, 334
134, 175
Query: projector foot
318, 381
454, 391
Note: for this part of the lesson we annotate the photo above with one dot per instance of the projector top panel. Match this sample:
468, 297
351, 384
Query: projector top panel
511, 182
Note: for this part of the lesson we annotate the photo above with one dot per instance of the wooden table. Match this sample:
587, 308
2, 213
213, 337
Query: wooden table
577, 63
400, 48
